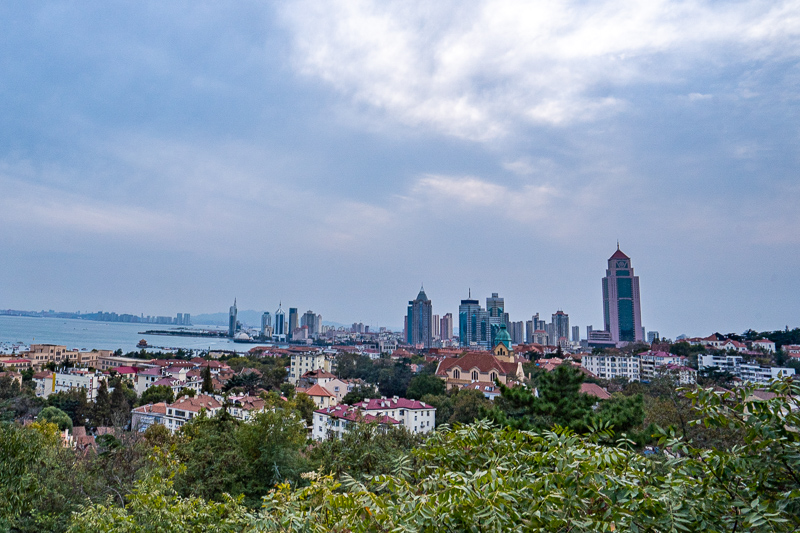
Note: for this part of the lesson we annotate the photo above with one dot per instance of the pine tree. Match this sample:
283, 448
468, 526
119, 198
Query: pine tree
101, 413
120, 408
208, 385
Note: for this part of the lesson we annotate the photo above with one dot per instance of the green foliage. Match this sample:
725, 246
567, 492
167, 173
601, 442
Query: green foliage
444, 407
423, 384
224, 456
158, 394
391, 377
287, 390
56, 416
305, 407
208, 384
154, 505
360, 393
102, 411
120, 407
186, 392
468, 404
365, 450
74, 403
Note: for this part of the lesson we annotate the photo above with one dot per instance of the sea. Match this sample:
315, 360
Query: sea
19, 332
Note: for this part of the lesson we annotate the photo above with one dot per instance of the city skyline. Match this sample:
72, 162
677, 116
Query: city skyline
335, 156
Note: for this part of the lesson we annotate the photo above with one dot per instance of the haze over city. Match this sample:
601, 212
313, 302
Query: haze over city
169, 158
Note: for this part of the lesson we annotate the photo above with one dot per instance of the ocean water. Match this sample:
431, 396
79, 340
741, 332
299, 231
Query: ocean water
89, 335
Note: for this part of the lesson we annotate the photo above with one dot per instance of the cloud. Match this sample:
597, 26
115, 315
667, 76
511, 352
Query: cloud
477, 71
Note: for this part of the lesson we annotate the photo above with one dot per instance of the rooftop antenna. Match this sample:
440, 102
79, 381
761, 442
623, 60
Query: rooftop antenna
470, 293
617, 244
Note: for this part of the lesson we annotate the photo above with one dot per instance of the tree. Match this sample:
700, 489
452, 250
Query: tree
305, 407
185, 391
360, 393
559, 402
423, 384
287, 390
74, 403
208, 384
102, 410
157, 394
120, 408
56, 416
443, 405
246, 382
467, 405
155, 505
366, 449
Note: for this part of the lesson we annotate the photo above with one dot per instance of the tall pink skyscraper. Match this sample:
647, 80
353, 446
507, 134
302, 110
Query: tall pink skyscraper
622, 311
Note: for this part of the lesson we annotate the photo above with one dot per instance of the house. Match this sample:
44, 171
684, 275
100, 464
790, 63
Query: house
595, 390
733, 345
764, 344
651, 361
333, 422
489, 390
500, 364
415, 416
323, 398
173, 415
682, 374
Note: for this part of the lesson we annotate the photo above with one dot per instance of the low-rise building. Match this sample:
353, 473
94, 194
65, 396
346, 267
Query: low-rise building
333, 422
610, 366
68, 379
652, 362
302, 362
763, 375
724, 362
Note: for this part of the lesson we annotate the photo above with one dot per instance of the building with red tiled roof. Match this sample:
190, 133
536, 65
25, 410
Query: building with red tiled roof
415, 416
322, 397
593, 389
479, 366
174, 415
489, 390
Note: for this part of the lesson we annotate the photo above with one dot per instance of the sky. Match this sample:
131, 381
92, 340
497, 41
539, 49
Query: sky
164, 157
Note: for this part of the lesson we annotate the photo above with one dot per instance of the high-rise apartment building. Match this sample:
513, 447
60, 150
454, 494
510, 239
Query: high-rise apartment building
293, 318
622, 311
576, 334
473, 324
560, 326
232, 314
420, 318
446, 327
495, 307
517, 332
309, 319
437, 326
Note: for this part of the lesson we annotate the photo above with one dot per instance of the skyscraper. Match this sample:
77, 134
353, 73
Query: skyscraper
560, 326
420, 320
576, 334
473, 324
232, 319
280, 322
622, 312
266, 324
446, 327
495, 306
309, 319
436, 325
292, 321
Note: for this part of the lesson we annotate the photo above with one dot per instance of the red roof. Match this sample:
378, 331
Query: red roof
593, 389
618, 255
376, 404
483, 361
318, 390
354, 414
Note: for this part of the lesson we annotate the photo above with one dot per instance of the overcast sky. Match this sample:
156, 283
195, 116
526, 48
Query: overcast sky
163, 157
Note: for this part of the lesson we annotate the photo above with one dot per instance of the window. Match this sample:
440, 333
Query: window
493, 376
456, 374
474, 375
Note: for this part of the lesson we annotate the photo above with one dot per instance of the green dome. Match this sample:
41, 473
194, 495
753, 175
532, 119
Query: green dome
503, 337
